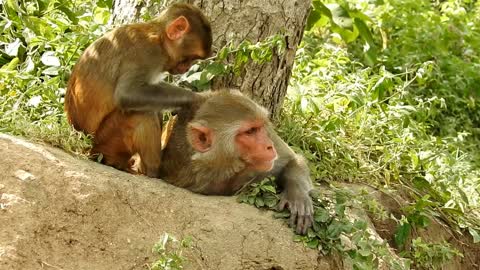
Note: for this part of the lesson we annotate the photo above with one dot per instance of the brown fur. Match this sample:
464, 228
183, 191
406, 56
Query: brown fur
221, 170
117, 68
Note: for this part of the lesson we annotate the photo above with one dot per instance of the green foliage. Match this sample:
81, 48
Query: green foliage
40, 42
334, 230
231, 61
407, 121
443, 37
432, 256
355, 123
170, 253
349, 23
262, 194
419, 215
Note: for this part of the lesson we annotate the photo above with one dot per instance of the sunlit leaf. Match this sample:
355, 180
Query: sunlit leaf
49, 59
474, 233
340, 16
269, 188
12, 48
12, 65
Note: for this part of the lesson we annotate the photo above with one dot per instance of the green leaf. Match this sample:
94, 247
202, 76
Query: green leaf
340, 16
401, 234
259, 202
49, 59
453, 211
311, 233
298, 238
222, 55
423, 221
313, 243
283, 214
215, 69
365, 252
340, 209
421, 183
271, 202
12, 48
360, 225
12, 8
268, 188
53, 71
39, 26
242, 198
12, 65
474, 233
364, 31
346, 34
105, 3
371, 56
316, 227
313, 18
324, 10
334, 230
321, 215
70, 15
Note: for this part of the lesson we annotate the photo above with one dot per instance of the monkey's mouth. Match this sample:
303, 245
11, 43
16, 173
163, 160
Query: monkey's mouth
174, 71
179, 69
263, 166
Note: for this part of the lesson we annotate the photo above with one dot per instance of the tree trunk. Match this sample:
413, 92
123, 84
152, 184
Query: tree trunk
235, 21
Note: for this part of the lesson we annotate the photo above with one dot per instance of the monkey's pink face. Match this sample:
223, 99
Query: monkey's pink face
255, 146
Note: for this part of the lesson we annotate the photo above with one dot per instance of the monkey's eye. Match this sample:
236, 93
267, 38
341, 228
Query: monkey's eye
252, 131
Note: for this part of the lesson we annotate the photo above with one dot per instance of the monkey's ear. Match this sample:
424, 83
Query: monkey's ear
201, 137
177, 28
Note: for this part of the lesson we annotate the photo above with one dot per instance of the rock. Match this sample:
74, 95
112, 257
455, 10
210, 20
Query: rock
61, 212
78, 214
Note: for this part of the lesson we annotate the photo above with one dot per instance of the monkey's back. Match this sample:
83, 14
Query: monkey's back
89, 96
90, 91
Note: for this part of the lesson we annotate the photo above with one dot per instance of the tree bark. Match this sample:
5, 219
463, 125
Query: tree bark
235, 21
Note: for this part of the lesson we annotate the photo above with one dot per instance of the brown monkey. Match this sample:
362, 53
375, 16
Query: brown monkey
114, 92
223, 141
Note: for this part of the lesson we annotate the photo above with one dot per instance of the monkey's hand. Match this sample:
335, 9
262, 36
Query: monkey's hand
301, 209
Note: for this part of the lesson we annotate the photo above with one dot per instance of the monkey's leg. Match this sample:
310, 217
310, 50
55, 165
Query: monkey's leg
147, 142
113, 140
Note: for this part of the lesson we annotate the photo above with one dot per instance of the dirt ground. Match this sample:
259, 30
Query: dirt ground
59, 212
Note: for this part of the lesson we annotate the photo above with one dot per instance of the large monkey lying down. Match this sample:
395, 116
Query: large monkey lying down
222, 141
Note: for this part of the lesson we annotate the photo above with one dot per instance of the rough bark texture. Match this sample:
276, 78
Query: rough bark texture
235, 21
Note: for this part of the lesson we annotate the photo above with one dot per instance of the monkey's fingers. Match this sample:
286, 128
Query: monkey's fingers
300, 229
293, 215
304, 223
305, 217
281, 205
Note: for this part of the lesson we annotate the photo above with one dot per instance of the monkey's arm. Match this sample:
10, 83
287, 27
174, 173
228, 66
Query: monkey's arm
134, 92
293, 176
